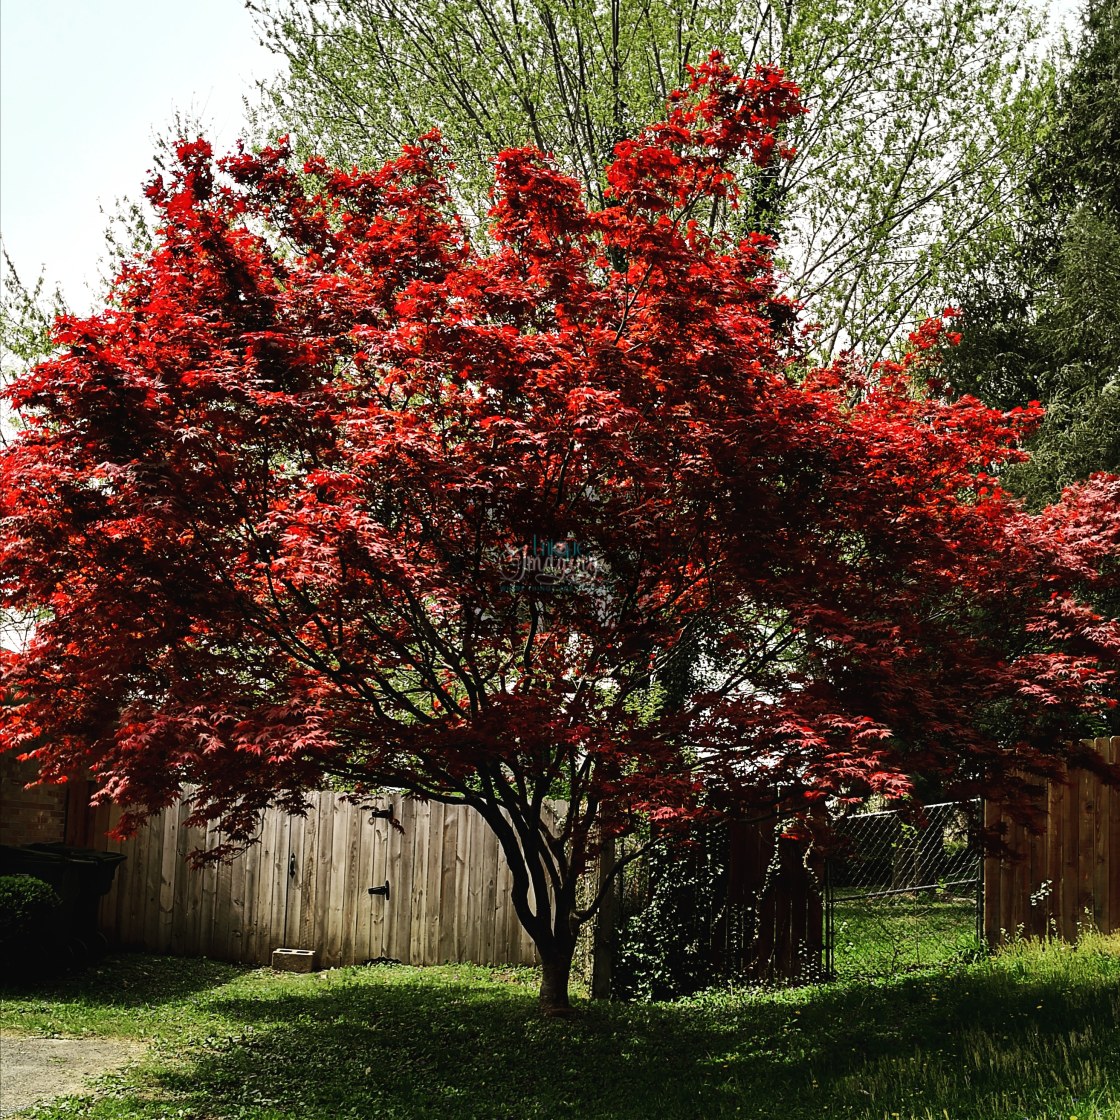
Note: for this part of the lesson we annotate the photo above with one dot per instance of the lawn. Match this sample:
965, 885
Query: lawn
898, 933
1033, 1033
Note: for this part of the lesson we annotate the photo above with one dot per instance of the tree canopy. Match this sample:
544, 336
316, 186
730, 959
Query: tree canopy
330, 490
906, 168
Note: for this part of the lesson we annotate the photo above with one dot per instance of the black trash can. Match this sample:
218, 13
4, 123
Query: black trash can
80, 876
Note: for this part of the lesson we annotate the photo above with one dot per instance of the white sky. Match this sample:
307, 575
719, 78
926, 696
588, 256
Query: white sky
84, 85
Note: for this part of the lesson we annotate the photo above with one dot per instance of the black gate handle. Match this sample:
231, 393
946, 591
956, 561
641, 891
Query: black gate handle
380, 890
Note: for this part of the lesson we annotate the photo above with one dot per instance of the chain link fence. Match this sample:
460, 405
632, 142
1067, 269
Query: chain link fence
742, 904
902, 896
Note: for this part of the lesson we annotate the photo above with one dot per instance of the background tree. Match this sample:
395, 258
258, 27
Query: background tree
26, 317
906, 166
1042, 318
277, 500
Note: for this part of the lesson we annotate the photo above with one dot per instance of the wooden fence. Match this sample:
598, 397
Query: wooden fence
1066, 878
305, 885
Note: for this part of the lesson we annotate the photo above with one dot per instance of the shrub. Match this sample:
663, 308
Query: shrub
26, 907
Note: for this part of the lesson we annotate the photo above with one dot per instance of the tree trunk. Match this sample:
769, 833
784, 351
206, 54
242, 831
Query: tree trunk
552, 924
556, 971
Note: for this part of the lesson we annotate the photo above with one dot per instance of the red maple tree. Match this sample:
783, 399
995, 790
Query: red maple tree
330, 489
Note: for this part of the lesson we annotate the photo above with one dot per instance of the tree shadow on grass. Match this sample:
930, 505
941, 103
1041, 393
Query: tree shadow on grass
124, 980
413, 1051
348, 1045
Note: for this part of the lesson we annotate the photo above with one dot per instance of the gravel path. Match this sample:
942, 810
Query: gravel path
34, 1070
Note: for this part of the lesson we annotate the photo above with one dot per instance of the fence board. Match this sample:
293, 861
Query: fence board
168, 838
420, 871
490, 858
1112, 871
296, 872
1036, 869
221, 881
149, 916
362, 855
259, 899
384, 837
1087, 797
1055, 859
476, 875
1019, 872
310, 861
399, 910
1007, 884
250, 916
281, 882
463, 859
445, 948
353, 889
1071, 858
991, 879
204, 884
235, 926
324, 876
433, 884
137, 866
179, 893
104, 819
336, 901
1100, 876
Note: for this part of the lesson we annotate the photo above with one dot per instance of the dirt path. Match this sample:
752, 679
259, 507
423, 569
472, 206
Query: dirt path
34, 1070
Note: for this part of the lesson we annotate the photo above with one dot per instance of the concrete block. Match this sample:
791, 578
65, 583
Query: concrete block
293, 960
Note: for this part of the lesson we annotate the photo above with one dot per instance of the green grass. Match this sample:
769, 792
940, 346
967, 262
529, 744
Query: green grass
881, 937
1033, 1033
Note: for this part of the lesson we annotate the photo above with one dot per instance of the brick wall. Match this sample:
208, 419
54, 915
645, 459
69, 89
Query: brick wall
29, 816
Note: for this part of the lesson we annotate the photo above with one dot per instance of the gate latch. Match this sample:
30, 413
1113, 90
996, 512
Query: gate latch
380, 890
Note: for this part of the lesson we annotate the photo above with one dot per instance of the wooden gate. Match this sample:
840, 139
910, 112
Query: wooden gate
774, 928
306, 885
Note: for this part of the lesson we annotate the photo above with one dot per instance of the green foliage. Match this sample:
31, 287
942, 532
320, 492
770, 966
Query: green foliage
904, 174
27, 905
1084, 152
1043, 316
1033, 1032
26, 316
665, 948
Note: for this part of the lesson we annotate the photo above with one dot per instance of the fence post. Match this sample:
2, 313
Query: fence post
605, 933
